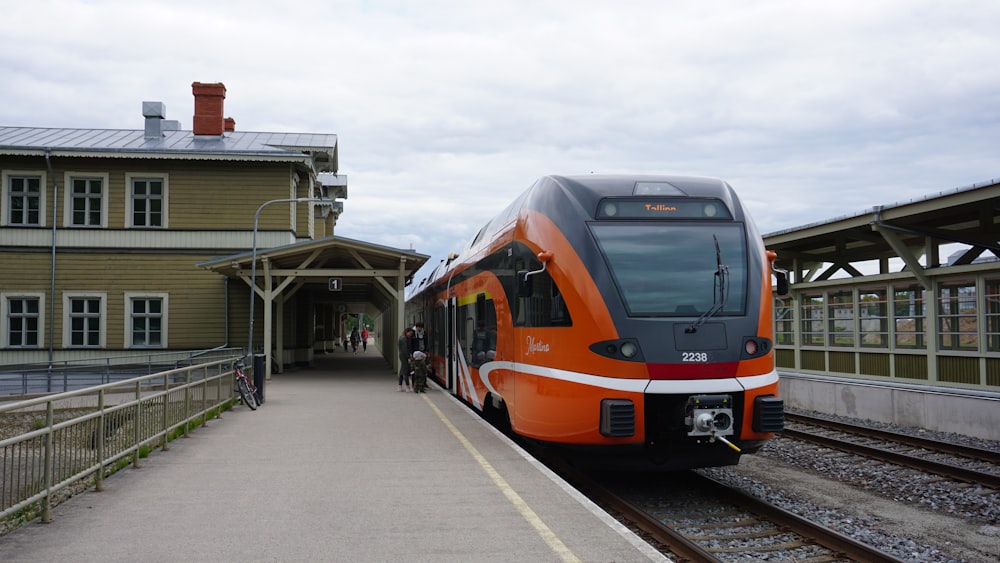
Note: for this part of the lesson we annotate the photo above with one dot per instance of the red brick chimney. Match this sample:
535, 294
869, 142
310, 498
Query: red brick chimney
208, 100
230, 124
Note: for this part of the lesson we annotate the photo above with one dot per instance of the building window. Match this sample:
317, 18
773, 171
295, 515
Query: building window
873, 321
146, 320
812, 320
22, 320
84, 326
784, 323
147, 201
23, 199
910, 315
840, 305
958, 325
993, 315
87, 200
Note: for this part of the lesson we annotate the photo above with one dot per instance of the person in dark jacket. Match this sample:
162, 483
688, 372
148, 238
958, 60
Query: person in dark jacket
404, 351
355, 340
419, 338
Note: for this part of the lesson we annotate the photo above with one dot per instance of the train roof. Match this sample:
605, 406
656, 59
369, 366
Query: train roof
554, 191
605, 185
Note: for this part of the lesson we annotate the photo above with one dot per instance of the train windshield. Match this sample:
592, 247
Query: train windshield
677, 269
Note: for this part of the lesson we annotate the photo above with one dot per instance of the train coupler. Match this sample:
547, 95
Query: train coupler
709, 415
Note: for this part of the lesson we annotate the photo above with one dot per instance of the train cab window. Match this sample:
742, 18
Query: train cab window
677, 268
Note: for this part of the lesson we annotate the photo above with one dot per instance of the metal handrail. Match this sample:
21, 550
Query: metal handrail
25, 379
83, 433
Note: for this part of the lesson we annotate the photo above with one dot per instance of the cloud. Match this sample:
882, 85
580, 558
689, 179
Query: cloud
447, 110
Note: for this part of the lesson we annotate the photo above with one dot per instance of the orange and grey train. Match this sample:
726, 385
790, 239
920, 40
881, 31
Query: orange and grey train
627, 317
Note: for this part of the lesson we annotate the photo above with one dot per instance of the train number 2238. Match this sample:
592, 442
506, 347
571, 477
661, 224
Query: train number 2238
694, 357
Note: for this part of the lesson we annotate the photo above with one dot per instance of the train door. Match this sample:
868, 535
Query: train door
451, 310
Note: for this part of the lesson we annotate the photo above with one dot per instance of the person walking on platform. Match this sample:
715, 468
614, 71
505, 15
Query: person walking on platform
355, 340
364, 339
405, 351
419, 366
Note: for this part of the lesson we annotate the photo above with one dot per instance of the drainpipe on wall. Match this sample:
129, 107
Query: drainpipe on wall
52, 289
226, 316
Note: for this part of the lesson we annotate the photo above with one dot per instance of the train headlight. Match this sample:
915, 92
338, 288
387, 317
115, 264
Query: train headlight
711, 210
629, 349
619, 349
610, 209
755, 347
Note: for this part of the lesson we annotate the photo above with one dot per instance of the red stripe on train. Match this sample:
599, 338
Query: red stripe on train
692, 371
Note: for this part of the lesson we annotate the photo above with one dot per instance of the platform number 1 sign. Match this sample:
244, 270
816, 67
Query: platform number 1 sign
336, 284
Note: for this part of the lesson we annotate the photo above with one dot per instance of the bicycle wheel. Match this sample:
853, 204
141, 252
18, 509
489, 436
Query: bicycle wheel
245, 394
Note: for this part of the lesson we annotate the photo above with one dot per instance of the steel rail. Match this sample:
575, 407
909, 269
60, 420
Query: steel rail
830, 539
686, 549
915, 441
690, 550
943, 469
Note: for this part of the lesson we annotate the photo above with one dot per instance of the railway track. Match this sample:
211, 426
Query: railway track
953, 461
696, 518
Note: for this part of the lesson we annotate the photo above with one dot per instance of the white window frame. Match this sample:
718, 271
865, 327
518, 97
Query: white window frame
5, 320
68, 178
130, 204
165, 300
5, 194
67, 319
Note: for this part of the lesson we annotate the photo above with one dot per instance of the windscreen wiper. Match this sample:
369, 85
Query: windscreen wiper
718, 300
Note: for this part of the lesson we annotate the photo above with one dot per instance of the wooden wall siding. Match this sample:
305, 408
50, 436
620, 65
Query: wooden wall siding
201, 194
75, 240
224, 198
211, 213
196, 316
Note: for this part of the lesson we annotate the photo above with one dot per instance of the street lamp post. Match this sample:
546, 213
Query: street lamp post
253, 266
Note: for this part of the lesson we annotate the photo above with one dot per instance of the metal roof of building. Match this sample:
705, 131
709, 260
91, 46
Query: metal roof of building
133, 143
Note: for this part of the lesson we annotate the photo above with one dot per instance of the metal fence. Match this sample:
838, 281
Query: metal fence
52, 446
70, 375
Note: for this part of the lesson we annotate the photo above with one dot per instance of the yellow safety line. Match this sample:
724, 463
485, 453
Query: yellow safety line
547, 534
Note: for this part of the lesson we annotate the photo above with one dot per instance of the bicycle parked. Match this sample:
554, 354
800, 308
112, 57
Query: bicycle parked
245, 387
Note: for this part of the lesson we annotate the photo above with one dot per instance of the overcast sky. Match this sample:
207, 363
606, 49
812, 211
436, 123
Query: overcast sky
447, 110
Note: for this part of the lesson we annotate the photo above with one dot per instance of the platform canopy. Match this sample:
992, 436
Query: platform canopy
343, 270
913, 231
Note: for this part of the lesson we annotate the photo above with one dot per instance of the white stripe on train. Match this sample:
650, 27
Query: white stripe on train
654, 386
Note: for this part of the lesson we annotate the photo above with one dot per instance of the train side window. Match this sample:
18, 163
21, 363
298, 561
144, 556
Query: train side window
484, 337
466, 330
478, 331
544, 306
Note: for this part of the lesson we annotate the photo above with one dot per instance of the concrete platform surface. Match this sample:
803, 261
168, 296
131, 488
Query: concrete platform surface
337, 465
